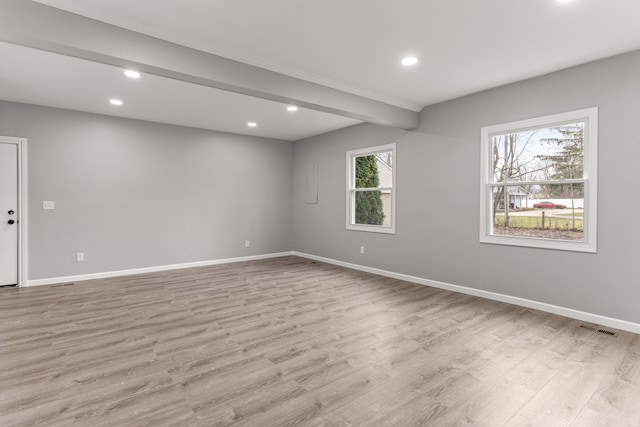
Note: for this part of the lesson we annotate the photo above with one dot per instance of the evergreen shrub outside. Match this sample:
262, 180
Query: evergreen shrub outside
368, 203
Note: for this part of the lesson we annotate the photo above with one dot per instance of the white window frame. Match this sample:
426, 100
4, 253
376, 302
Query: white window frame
590, 179
351, 190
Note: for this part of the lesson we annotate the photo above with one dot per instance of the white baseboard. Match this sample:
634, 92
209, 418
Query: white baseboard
92, 276
549, 308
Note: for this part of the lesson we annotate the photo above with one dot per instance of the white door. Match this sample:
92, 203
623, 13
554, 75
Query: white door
8, 214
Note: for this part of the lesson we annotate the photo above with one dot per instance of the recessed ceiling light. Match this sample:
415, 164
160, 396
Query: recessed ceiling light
252, 124
133, 74
115, 102
409, 61
292, 108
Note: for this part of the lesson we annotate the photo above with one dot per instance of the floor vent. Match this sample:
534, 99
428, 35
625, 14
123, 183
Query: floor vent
599, 330
62, 284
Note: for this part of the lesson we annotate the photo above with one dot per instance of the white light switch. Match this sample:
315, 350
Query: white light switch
48, 205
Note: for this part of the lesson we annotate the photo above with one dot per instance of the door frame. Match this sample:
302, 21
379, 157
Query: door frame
23, 251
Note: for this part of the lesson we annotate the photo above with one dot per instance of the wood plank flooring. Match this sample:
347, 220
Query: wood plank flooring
293, 342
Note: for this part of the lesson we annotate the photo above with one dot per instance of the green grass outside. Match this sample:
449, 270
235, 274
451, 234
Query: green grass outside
536, 222
577, 214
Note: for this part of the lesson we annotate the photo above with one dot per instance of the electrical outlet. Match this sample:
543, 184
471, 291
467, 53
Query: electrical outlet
361, 249
247, 243
80, 256
48, 205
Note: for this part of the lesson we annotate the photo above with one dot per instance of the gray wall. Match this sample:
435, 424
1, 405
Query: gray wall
132, 194
438, 195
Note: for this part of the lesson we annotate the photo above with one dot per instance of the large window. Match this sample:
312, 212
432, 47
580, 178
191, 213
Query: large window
371, 189
539, 182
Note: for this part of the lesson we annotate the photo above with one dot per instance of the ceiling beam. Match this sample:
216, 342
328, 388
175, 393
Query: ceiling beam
38, 26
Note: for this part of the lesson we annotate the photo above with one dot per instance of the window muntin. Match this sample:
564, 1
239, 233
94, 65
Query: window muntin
371, 189
547, 159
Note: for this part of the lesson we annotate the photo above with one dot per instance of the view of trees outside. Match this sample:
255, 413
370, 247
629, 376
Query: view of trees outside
543, 165
373, 207
369, 208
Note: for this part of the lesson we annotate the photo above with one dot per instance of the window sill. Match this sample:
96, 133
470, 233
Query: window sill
537, 243
372, 229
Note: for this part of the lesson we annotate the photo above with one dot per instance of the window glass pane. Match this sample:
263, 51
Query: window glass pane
386, 207
518, 213
370, 208
541, 154
374, 170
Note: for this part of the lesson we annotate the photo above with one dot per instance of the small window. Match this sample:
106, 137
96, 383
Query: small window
371, 176
539, 181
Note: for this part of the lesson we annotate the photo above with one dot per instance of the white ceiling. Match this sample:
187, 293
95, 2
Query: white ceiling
463, 46
43, 78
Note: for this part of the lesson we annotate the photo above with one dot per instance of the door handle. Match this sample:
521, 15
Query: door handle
11, 221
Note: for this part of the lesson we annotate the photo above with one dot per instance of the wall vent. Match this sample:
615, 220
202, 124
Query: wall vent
599, 330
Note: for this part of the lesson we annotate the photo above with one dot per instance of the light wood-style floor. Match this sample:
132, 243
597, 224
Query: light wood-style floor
292, 342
